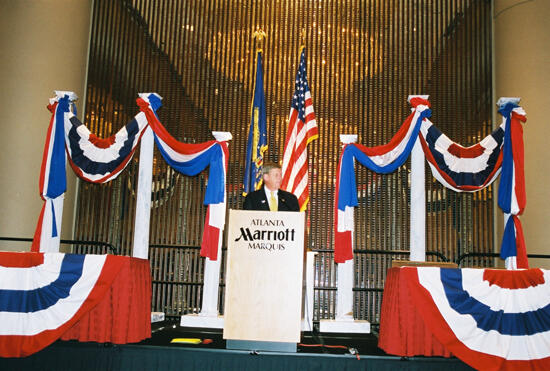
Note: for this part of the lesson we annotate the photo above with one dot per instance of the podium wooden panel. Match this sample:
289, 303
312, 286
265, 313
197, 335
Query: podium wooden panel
263, 294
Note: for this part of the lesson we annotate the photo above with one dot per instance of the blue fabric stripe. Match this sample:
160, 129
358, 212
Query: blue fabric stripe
54, 223
90, 167
57, 177
29, 301
348, 189
508, 246
464, 178
517, 324
211, 157
506, 177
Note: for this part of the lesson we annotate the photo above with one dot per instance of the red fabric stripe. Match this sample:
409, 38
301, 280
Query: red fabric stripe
210, 239
448, 179
102, 142
508, 279
416, 101
397, 138
124, 313
21, 346
521, 250
518, 155
162, 133
293, 126
466, 152
401, 329
310, 117
35, 247
21, 259
343, 251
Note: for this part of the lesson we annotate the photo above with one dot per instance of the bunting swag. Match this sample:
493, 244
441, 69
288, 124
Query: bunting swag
462, 168
190, 159
381, 159
458, 168
39, 303
490, 319
511, 192
93, 159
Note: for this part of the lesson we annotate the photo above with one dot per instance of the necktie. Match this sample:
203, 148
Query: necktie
272, 202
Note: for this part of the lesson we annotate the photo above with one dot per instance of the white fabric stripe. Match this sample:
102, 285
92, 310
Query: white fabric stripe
311, 124
300, 162
514, 206
178, 157
511, 263
440, 179
300, 185
287, 155
31, 278
47, 242
345, 219
104, 155
58, 314
464, 327
508, 300
390, 156
308, 110
456, 164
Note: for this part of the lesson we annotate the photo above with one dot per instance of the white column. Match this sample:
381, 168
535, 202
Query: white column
418, 200
307, 322
344, 297
344, 321
209, 316
511, 262
211, 285
143, 198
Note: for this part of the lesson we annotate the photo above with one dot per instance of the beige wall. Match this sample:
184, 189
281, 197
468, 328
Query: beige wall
44, 48
522, 69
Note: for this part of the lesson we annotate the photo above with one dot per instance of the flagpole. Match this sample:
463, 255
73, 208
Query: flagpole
257, 135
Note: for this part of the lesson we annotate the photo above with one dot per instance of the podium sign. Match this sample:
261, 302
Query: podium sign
263, 292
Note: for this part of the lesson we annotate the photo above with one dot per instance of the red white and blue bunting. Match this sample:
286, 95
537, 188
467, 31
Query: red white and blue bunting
101, 160
461, 168
40, 301
381, 159
511, 192
190, 159
456, 167
490, 319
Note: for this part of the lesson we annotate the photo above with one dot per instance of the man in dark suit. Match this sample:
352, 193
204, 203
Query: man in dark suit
270, 197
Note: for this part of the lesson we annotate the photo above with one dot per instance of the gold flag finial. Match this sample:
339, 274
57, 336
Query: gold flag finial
259, 35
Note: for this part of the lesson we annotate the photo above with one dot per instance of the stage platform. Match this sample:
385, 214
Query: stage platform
315, 352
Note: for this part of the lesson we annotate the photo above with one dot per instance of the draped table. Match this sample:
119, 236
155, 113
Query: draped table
488, 318
49, 296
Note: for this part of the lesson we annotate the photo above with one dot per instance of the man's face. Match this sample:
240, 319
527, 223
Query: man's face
273, 179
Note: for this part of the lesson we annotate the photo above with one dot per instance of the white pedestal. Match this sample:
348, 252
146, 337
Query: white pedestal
344, 322
203, 321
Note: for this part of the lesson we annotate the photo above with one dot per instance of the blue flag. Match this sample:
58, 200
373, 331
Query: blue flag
257, 134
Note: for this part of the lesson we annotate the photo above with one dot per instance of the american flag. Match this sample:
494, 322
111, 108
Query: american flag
302, 129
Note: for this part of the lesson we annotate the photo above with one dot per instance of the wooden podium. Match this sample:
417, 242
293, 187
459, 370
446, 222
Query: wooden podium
263, 292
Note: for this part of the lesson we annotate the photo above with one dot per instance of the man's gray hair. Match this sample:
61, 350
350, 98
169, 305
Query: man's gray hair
268, 166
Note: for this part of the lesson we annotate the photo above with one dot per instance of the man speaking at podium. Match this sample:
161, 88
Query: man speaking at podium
270, 197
